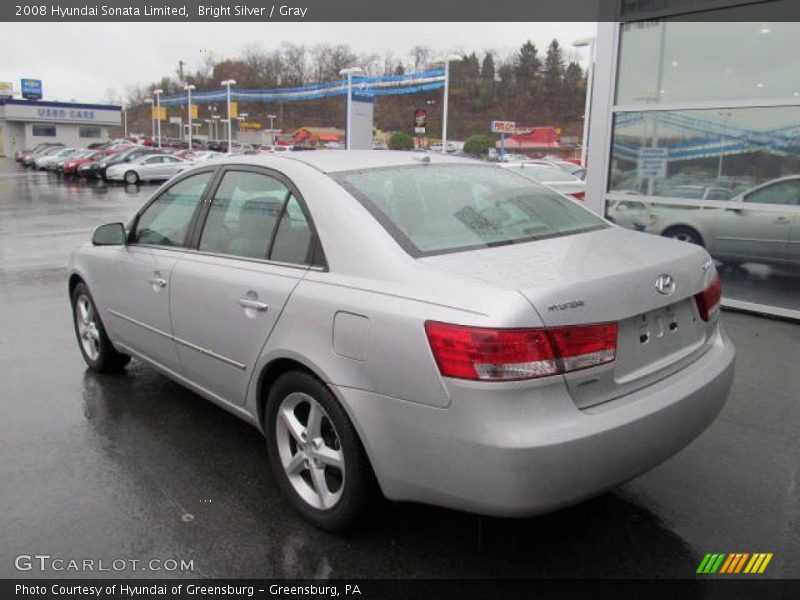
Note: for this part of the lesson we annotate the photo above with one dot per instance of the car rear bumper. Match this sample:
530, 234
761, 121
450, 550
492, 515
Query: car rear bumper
521, 452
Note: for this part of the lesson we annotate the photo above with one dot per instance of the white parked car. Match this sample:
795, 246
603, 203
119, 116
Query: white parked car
44, 162
149, 167
552, 177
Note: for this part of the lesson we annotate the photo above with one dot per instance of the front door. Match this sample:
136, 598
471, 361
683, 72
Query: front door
226, 298
136, 286
758, 235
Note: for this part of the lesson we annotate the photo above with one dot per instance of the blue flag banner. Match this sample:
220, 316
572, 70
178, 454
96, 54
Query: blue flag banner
384, 85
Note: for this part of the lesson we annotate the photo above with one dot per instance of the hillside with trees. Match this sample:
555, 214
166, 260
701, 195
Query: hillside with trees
530, 87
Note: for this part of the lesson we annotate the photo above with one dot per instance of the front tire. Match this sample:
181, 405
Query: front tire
97, 350
131, 177
315, 453
684, 234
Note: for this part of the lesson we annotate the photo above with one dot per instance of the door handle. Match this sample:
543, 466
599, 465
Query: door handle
158, 282
254, 304
782, 220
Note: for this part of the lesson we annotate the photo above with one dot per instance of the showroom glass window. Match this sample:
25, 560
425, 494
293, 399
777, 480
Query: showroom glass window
86, 131
165, 222
43, 130
706, 135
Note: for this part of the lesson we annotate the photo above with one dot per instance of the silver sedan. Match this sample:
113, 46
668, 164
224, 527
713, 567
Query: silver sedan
430, 328
148, 167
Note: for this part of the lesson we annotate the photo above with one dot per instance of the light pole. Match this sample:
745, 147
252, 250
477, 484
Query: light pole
209, 122
240, 118
151, 102
450, 58
228, 83
350, 71
125, 119
271, 129
587, 105
189, 89
216, 119
158, 113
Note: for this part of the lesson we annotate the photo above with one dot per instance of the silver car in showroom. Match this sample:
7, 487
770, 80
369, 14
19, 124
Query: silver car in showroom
429, 328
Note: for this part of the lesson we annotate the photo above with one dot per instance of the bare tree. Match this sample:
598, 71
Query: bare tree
420, 56
371, 63
295, 64
256, 59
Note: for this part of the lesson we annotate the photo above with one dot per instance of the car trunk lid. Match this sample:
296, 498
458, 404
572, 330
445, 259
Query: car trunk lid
599, 276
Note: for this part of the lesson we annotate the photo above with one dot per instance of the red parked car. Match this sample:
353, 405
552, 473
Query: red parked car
71, 166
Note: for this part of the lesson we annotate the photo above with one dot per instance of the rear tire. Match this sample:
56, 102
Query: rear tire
318, 461
97, 350
684, 234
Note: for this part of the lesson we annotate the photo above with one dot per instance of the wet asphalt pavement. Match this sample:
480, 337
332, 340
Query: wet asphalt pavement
134, 466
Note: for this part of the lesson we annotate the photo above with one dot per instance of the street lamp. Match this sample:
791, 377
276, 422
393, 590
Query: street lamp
209, 122
350, 71
240, 118
189, 89
587, 105
228, 83
272, 128
216, 119
158, 113
450, 58
150, 101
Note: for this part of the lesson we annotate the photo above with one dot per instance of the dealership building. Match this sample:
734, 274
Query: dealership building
695, 134
25, 123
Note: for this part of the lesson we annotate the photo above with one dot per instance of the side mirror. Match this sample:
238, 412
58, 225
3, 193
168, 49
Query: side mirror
110, 234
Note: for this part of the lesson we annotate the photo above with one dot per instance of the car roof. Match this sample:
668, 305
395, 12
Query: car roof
332, 161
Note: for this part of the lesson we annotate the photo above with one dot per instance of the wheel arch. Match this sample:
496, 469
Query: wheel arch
281, 364
73, 281
692, 229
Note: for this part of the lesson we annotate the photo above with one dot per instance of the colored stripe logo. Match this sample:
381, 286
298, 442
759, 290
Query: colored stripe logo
734, 563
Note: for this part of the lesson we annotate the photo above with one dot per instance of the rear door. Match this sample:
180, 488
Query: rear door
251, 252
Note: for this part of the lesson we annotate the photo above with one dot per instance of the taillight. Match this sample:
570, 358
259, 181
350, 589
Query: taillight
579, 195
708, 300
479, 353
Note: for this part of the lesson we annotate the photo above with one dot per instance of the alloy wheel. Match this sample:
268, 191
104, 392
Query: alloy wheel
310, 451
88, 333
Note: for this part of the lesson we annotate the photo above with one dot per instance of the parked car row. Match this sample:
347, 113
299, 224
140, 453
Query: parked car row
114, 161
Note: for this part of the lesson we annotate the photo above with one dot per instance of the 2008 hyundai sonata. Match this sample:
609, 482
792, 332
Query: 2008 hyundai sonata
432, 328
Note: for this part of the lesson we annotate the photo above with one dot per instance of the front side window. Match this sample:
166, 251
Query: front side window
165, 222
243, 214
786, 193
433, 209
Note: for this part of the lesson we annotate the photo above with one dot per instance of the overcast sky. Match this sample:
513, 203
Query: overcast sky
84, 61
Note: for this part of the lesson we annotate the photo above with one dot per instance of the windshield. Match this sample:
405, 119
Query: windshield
435, 209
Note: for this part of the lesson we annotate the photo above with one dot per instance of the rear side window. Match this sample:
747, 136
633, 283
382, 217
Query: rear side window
293, 238
434, 209
243, 214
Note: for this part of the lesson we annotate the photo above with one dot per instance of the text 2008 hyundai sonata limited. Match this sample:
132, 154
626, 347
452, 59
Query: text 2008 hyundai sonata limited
441, 330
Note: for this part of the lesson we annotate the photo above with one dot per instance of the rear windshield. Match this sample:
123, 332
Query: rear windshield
436, 209
545, 173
